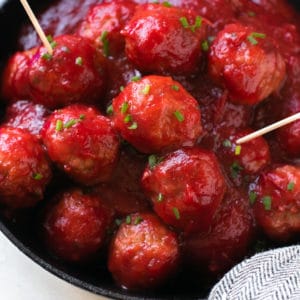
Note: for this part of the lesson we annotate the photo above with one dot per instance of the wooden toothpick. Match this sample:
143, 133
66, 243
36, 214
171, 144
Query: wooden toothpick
37, 26
269, 128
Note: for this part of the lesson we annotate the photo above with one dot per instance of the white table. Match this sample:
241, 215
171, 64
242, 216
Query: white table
22, 279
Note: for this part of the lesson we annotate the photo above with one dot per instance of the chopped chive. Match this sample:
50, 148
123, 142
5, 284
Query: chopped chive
128, 220
136, 78
59, 125
175, 87
47, 56
176, 213
121, 88
197, 24
179, 116
252, 37
184, 22
237, 150
105, 43
49, 38
82, 117
79, 61
227, 143
153, 160
124, 107
146, 89
235, 169
37, 176
267, 202
252, 197
160, 197
167, 4
133, 126
127, 119
291, 186
53, 44
205, 46
138, 220
110, 110
70, 123
118, 222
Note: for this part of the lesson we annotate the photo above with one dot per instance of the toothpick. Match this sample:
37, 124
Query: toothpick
37, 26
269, 128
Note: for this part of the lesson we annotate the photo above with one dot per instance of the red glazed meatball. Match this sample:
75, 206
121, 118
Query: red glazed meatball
24, 168
75, 225
247, 159
247, 63
164, 39
277, 202
15, 84
156, 114
74, 73
103, 24
144, 253
228, 240
26, 115
186, 188
82, 143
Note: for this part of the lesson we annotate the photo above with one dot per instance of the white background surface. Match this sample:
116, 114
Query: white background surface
22, 279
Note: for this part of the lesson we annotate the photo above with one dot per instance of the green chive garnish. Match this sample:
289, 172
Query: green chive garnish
267, 202
179, 116
176, 213
59, 125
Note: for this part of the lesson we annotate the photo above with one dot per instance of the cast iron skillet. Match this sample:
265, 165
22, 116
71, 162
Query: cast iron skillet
21, 229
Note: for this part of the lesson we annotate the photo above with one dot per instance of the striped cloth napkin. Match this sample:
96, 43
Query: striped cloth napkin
271, 275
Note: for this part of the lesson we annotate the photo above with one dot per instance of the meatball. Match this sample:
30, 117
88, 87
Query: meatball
26, 115
240, 161
25, 170
81, 142
164, 39
276, 197
156, 114
15, 84
103, 23
247, 63
228, 240
144, 253
75, 225
74, 73
186, 188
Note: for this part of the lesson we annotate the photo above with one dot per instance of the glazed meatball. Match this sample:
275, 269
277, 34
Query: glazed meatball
228, 240
163, 39
81, 142
144, 253
103, 24
240, 161
15, 84
75, 225
26, 115
276, 198
247, 63
186, 188
156, 114
74, 73
25, 170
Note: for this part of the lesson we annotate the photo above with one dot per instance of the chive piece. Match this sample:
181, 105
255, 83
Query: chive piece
47, 56
128, 220
110, 110
146, 89
59, 125
179, 116
252, 197
237, 150
37, 176
133, 126
153, 161
79, 61
175, 87
184, 22
105, 43
160, 197
227, 143
53, 44
267, 202
205, 46
138, 220
176, 213
118, 222
291, 186
136, 78
127, 119
49, 38
197, 24
235, 169
82, 117
124, 107
121, 88
252, 37
167, 4
70, 123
